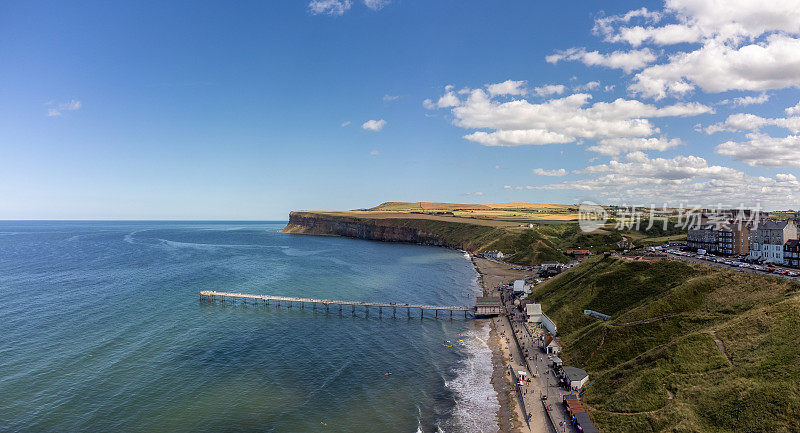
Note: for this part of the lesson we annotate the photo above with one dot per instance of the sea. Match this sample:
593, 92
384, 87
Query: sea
102, 329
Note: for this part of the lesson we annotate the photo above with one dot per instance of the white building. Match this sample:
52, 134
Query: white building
548, 324
551, 345
575, 377
495, 254
768, 238
534, 313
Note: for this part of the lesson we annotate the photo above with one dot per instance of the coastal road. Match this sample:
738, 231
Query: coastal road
728, 267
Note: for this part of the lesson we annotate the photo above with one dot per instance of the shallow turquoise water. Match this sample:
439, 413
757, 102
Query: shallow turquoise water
103, 330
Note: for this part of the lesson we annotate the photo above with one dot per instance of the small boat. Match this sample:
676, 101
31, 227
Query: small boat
387, 373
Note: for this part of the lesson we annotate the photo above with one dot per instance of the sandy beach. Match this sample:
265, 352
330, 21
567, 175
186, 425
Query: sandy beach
510, 417
506, 354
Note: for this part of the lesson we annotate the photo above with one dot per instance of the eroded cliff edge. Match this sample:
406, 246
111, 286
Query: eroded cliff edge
469, 237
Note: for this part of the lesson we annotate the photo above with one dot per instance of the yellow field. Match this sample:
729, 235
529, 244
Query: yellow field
507, 215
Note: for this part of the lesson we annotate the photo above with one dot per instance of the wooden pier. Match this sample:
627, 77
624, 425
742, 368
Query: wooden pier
289, 301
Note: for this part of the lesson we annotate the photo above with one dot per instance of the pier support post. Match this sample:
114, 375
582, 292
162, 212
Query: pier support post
451, 314
436, 314
380, 311
394, 311
408, 310
354, 308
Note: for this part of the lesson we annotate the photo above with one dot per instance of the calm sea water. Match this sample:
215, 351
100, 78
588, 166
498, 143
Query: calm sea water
103, 330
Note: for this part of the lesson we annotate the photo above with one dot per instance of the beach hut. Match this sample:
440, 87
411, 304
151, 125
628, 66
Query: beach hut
574, 377
584, 424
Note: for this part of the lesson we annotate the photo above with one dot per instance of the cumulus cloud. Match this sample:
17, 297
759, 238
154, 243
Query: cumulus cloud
549, 90
329, 7
560, 120
591, 85
554, 173
732, 45
508, 87
376, 4
337, 8
752, 122
347, 123
746, 100
57, 109
702, 19
763, 150
682, 179
719, 67
389, 98
616, 146
793, 110
373, 125
628, 61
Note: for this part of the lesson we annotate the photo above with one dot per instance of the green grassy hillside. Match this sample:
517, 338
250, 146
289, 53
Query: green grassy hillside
689, 348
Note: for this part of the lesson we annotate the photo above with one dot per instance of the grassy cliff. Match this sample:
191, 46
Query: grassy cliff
689, 348
476, 228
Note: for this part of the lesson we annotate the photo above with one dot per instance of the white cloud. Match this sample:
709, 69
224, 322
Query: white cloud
616, 146
751, 122
508, 87
719, 67
449, 99
561, 120
373, 125
748, 100
374, 152
682, 179
549, 90
475, 194
329, 7
554, 173
628, 61
743, 45
347, 123
726, 20
389, 98
339, 7
57, 109
763, 150
376, 4
591, 85
793, 110
517, 137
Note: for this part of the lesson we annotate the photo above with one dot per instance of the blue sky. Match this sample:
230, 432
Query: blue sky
200, 110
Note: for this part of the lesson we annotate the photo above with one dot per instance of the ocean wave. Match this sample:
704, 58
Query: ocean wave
476, 401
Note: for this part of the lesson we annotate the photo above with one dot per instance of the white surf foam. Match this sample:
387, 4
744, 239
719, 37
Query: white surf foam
476, 400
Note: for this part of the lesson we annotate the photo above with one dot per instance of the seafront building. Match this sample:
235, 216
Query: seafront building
488, 306
768, 238
702, 237
764, 240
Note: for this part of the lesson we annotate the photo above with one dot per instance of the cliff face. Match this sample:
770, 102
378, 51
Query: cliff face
468, 237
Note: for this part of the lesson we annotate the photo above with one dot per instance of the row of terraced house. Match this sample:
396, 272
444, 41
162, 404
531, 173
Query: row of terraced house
765, 240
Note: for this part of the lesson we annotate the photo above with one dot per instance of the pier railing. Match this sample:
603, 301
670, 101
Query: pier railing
210, 295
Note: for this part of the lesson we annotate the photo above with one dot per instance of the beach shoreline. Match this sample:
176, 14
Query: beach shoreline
509, 415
